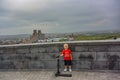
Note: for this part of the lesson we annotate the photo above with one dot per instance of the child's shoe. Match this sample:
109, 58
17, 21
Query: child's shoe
65, 70
70, 70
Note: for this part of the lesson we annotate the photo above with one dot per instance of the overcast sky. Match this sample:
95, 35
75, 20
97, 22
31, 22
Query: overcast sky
51, 16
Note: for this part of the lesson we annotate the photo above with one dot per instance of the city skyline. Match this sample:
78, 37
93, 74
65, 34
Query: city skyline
58, 16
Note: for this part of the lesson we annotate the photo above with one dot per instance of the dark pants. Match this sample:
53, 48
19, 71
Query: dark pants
67, 62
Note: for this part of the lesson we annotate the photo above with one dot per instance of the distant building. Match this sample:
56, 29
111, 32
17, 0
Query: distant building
37, 35
41, 36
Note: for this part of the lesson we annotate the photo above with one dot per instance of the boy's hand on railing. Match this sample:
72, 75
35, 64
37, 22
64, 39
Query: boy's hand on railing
58, 56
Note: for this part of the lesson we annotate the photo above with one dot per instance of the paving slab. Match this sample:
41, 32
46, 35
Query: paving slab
49, 75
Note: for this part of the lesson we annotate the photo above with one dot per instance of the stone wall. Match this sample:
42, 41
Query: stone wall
106, 55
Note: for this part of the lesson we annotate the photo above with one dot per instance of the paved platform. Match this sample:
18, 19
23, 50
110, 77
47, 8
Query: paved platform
49, 75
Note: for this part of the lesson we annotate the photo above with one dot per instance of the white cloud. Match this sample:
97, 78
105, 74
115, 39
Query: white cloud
27, 5
24, 5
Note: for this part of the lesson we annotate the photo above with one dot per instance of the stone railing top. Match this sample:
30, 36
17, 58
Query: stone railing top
45, 43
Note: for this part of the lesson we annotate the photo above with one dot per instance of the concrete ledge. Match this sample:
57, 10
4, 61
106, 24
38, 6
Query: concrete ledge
70, 42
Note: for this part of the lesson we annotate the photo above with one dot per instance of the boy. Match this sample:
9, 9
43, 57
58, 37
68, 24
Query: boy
66, 53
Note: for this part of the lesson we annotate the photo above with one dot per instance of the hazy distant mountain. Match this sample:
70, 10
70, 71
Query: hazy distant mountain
81, 33
14, 37
53, 35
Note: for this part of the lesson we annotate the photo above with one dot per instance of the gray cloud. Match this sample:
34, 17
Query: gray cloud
22, 16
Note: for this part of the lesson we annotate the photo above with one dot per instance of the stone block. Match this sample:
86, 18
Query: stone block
83, 64
9, 51
98, 48
113, 53
76, 55
6, 65
50, 56
114, 48
1, 51
23, 51
52, 49
34, 50
41, 49
81, 48
51, 64
100, 65
101, 56
36, 65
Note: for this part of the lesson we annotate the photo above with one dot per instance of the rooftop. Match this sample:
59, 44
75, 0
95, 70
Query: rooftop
49, 75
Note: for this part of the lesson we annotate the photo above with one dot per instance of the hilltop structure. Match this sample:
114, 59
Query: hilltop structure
37, 35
